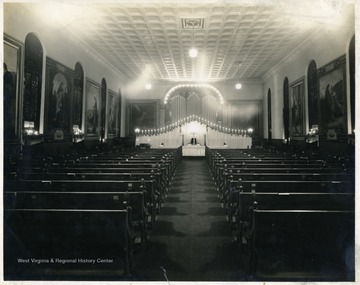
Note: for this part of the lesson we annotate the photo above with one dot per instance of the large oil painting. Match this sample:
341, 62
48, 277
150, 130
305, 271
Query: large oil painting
297, 103
11, 88
245, 115
332, 88
59, 84
92, 108
118, 115
143, 115
112, 109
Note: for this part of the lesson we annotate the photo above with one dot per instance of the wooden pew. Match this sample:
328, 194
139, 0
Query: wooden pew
284, 169
165, 171
166, 159
59, 234
274, 179
331, 186
225, 190
152, 198
159, 174
79, 169
247, 202
222, 170
135, 201
43, 200
255, 185
231, 201
160, 185
306, 245
46, 170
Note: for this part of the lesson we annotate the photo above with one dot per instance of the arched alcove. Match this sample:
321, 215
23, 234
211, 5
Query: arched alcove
352, 81
78, 95
33, 65
12, 95
286, 110
103, 107
313, 97
118, 114
269, 116
201, 100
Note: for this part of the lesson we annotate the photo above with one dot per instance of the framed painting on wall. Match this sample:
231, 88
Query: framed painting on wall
245, 115
92, 120
143, 115
332, 89
297, 103
58, 90
103, 98
78, 96
118, 114
11, 88
111, 113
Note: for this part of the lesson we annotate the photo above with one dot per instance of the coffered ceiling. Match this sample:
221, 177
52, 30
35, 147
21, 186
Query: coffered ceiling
234, 38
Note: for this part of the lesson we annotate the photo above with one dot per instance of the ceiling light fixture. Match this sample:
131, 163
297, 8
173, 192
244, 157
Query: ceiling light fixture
148, 86
238, 85
193, 52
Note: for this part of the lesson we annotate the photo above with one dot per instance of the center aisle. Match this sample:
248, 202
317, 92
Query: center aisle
191, 240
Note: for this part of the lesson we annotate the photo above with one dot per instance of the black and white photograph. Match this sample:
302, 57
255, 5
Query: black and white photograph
180, 142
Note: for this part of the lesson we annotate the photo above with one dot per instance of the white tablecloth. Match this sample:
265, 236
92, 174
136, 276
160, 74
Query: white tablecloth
193, 150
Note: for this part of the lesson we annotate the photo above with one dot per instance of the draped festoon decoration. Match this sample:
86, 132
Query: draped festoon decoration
195, 130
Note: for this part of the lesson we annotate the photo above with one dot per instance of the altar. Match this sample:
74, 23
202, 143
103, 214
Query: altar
193, 150
193, 136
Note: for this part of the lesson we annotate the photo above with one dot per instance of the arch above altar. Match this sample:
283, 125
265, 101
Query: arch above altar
193, 86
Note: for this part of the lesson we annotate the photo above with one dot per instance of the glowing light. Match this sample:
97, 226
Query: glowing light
193, 52
148, 86
172, 90
238, 86
140, 82
137, 130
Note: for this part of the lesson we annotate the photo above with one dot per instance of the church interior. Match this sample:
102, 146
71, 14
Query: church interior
179, 141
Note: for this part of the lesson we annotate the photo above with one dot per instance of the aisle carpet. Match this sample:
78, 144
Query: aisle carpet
191, 239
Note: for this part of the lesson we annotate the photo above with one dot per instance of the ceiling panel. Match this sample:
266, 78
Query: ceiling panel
132, 36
